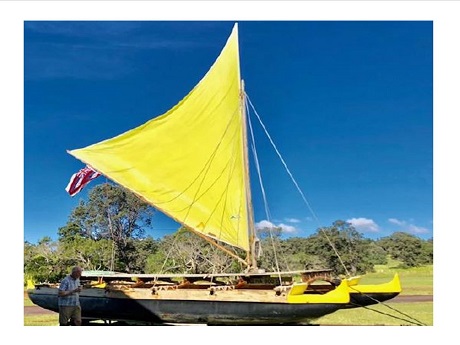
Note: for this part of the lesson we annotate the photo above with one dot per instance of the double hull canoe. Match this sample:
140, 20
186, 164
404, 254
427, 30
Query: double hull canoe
252, 300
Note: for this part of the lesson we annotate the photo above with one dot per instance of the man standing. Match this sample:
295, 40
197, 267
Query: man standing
68, 297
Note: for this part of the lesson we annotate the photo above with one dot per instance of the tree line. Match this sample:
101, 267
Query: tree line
107, 232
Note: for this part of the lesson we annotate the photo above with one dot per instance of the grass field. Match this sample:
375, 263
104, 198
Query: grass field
414, 281
388, 314
41, 320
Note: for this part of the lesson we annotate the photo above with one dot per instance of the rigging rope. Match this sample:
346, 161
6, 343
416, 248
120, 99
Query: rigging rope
415, 321
267, 210
418, 323
296, 184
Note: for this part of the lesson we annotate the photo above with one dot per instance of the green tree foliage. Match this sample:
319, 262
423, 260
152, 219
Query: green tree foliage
427, 249
352, 249
300, 254
41, 261
185, 252
376, 254
141, 250
409, 249
49, 261
107, 232
111, 213
88, 253
270, 243
288, 254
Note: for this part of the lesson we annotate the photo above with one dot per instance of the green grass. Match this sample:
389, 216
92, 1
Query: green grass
421, 312
414, 281
41, 320
400, 314
27, 301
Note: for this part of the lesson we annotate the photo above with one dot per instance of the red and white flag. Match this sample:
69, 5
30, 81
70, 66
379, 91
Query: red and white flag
81, 179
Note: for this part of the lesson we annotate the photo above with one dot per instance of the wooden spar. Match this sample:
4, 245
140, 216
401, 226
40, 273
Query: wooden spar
210, 240
251, 256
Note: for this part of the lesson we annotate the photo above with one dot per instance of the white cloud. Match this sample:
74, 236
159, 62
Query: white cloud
292, 220
287, 228
263, 224
284, 228
417, 229
364, 224
408, 227
396, 221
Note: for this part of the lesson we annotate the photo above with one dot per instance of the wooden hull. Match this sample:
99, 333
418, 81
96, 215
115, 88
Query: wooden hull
245, 307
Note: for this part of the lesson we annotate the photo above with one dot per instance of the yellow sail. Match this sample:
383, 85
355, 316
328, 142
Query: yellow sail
189, 162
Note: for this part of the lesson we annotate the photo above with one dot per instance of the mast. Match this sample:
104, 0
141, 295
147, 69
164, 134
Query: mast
251, 254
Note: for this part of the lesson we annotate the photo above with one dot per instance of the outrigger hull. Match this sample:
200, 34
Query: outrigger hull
362, 300
362, 295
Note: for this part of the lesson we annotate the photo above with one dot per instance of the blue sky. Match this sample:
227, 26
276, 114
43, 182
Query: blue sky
349, 105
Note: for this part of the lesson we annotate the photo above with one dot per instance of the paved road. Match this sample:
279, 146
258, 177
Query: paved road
412, 298
36, 310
